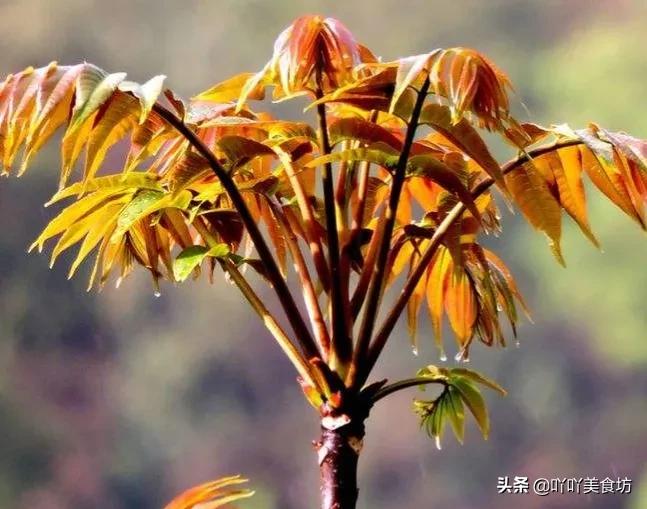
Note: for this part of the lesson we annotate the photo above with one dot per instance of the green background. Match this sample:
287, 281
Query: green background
118, 400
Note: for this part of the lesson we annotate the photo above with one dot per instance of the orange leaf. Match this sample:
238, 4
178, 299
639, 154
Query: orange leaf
211, 495
460, 304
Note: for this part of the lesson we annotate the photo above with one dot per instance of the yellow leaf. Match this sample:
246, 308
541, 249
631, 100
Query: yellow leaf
441, 266
90, 223
113, 183
188, 168
72, 214
23, 112
117, 118
460, 305
54, 102
73, 143
93, 87
145, 203
402, 259
12, 91
537, 204
417, 297
230, 90
567, 169
600, 165
464, 136
147, 93
103, 223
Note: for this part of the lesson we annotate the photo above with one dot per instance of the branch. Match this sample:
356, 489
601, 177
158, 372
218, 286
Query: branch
404, 384
455, 213
359, 294
297, 359
377, 279
362, 188
340, 191
363, 173
341, 343
311, 224
309, 294
274, 274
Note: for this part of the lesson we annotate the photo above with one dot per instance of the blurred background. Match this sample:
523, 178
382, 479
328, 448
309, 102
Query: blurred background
118, 400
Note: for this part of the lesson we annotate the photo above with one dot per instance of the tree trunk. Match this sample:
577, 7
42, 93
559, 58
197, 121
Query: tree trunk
338, 450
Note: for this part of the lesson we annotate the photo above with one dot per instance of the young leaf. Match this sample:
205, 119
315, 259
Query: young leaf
375, 155
147, 93
230, 90
211, 495
463, 135
456, 413
473, 399
113, 183
73, 213
118, 117
146, 202
477, 378
531, 194
357, 129
94, 87
192, 257
431, 168
460, 305
188, 260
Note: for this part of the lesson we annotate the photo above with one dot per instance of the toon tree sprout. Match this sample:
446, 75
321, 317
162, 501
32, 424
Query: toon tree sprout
393, 187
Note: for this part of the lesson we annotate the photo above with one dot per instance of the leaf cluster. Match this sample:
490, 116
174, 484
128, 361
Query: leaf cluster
460, 391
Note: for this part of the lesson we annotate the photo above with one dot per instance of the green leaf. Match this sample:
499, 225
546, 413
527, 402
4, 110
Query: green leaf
188, 260
477, 378
456, 413
473, 399
433, 414
192, 257
434, 373
384, 158
147, 202
437, 420
460, 390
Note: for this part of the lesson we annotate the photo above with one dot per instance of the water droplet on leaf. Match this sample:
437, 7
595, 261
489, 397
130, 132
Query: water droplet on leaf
157, 294
414, 350
438, 446
462, 356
